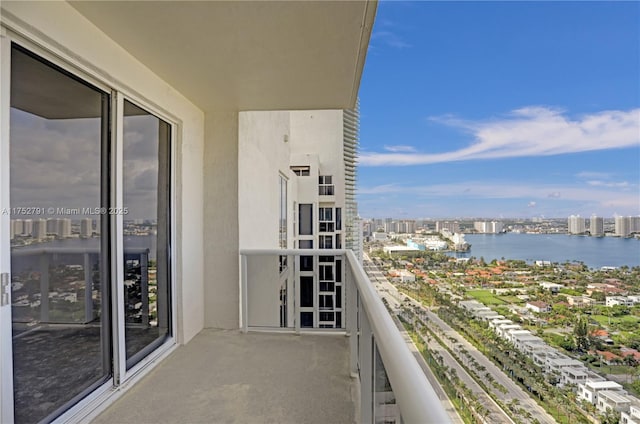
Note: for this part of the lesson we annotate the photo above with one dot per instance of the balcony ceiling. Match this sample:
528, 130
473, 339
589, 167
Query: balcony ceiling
246, 55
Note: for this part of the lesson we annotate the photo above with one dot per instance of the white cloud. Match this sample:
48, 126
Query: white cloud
530, 131
397, 149
598, 183
499, 190
590, 174
389, 38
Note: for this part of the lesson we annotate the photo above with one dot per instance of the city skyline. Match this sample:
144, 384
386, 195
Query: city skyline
505, 110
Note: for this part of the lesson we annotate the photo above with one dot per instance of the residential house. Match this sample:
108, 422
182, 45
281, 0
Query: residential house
589, 390
538, 306
613, 401
632, 416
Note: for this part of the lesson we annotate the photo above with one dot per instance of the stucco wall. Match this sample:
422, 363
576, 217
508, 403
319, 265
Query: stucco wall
221, 271
321, 132
262, 157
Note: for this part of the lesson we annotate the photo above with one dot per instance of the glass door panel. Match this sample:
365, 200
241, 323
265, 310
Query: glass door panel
59, 280
146, 195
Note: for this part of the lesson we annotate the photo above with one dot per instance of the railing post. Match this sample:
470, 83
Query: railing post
296, 295
365, 354
44, 287
351, 316
144, 289
88, 288
244, 294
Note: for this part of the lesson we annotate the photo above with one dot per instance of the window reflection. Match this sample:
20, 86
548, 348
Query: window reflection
59, 133
146, 231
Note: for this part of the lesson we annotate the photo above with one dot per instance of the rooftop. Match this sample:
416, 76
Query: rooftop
613, 396
602, 385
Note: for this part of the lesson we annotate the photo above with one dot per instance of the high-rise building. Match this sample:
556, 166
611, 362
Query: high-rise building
27, 227
621, 226
626, 225
596, 226
634, 224
390, 226
576, 224
488, 227
39, 227
353, 223
53, 226
407, 226
86, 227
64, 227
316, 165
18, 227
452, 226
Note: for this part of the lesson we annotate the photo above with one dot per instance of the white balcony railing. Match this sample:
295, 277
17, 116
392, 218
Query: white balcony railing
328, 291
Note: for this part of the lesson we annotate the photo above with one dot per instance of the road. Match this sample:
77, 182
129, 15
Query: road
496, 415
394, 298
513, 390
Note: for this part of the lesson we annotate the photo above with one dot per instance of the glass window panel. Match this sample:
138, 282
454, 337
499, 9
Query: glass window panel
326, 242
58, 142
306, 319
305, 244
305, 219
326, 227
326, 272
327, 286
146, 191
326, 301
306, 263
326, 316
306, 292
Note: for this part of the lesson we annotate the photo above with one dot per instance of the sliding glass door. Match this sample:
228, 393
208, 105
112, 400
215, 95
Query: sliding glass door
89, 204
146, 188
59, 140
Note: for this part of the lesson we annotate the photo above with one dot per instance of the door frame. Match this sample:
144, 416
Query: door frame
6, 349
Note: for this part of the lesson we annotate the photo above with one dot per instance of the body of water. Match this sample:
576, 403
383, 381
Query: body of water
595, 252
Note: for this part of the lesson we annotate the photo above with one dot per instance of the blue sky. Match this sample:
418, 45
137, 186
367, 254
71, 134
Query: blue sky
510, 109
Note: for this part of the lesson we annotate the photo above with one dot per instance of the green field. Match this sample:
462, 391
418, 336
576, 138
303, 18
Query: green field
626, 319
511, 299
486, 297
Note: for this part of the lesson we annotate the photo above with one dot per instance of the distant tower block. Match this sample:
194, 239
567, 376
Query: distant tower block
86, 228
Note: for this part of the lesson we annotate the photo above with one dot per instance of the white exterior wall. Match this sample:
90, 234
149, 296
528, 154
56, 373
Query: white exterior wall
321, 132
632, 416
221, 285
263, 156
58, 25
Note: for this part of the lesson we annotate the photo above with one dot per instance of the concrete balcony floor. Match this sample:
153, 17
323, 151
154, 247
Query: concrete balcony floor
230, 377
